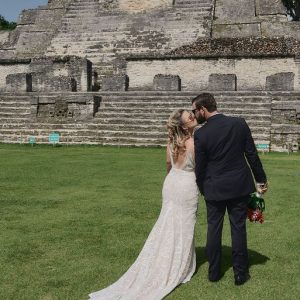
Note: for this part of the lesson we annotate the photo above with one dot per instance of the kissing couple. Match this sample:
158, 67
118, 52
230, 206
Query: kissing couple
219, 159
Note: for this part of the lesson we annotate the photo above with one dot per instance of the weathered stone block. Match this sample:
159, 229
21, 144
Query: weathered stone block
81, 70
163, 82
30, 43
285, 138
4, 37
222, 82
63, 83
48, 19
235, 30
137, 5
267, 7
115, 83
48, 82
21, 82
41, 64
280, 82
232, 11
272, 29
28, 17
58, 3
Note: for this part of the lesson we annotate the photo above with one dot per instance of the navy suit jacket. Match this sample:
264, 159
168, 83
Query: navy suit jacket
224, 154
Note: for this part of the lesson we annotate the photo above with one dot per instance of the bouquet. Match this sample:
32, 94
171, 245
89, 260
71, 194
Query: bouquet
256, 206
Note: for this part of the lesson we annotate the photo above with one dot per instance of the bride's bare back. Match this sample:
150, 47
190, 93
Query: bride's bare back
184, 158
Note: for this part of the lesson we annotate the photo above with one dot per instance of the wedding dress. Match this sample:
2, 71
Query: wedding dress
168, 257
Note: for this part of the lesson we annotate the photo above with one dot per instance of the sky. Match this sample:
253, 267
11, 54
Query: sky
10, 9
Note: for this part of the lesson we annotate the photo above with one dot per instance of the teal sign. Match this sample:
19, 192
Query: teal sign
31, 140
262, 146
54, 138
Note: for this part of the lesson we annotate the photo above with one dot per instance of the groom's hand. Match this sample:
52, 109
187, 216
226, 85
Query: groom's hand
262, 187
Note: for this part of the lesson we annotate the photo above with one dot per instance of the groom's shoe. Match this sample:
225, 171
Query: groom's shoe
215, 279
240, 279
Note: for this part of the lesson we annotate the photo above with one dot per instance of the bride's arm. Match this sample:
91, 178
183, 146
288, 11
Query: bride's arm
168, 160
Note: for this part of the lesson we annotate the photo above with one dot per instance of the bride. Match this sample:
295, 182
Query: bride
168, 257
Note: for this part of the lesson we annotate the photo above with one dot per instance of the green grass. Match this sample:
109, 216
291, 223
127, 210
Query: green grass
73, 219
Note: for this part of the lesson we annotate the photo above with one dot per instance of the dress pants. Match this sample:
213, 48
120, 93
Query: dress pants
237, 211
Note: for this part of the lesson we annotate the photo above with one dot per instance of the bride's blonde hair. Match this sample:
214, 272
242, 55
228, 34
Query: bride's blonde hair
177, 134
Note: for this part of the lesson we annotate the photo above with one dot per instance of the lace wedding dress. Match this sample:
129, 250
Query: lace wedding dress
168, 257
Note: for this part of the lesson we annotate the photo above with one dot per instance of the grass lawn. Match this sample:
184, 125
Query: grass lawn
73, 219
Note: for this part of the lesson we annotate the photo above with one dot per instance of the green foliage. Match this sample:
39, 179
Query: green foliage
293, 8
73, 219
6, 25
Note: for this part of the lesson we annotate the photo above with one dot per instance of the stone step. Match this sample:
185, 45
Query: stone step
163, 114
201, 10
14, 107
80, 16
87, 133
15, 98
172, 105
154, 120
105, 130
217, 94
87, 139
118, 141
94, 125
14, 114
151, 93
14, 120
158, 132
11, 103
183, 98
192, 1
262, 120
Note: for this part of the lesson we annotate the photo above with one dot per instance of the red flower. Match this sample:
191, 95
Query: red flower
255, 215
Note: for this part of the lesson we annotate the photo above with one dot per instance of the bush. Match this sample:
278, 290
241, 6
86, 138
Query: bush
6, 25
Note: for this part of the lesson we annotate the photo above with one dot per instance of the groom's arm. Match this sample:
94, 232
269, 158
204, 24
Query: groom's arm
252, 156
200, 161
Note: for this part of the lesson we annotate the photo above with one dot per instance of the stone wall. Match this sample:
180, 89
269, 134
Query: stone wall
285, 128
48, 74
265, 18
64, 108
12, 67
251, 74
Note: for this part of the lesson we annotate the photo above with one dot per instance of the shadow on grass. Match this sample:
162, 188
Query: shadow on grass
255, 258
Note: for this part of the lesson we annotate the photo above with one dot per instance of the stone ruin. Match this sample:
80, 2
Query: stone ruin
111, 71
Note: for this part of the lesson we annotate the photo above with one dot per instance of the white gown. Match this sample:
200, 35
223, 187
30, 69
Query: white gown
168, 257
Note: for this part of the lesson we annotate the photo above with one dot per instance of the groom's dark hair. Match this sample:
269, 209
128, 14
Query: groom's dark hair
206, 100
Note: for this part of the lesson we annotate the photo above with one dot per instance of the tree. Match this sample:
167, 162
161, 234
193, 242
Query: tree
293, 8
6, 25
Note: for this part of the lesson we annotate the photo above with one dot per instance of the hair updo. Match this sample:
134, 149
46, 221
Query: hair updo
177, 135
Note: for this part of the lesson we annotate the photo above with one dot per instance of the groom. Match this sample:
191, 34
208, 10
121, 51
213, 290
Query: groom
224, 154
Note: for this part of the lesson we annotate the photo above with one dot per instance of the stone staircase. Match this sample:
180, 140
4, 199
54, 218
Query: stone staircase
101, 33
14, 118
128, 118
297, 61
285, 123
144, 115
